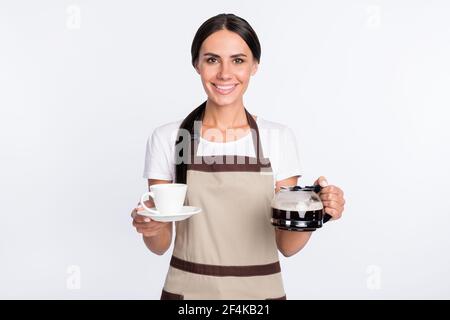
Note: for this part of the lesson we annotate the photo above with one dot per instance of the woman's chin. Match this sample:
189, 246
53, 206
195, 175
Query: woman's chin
223, 101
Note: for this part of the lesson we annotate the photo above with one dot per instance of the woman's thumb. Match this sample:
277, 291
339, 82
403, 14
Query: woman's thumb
322, 181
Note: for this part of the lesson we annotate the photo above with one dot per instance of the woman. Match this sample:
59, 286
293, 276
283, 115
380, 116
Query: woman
230, 250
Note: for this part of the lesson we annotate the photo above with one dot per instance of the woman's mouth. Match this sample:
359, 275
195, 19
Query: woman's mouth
224, 89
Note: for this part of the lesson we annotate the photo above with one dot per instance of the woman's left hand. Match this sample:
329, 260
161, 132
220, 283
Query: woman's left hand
332, 198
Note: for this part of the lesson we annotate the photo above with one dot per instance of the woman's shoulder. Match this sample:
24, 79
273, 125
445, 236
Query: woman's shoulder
168, 127
167, 131
271, 127
262, 122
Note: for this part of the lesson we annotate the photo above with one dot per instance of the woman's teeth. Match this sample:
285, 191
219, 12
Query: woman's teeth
224, 89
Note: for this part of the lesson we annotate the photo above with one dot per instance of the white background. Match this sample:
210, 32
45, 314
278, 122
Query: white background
365, 85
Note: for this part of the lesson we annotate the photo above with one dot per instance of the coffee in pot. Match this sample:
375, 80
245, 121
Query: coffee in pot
298, 209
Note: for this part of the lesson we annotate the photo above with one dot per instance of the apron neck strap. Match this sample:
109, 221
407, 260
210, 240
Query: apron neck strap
253, 130
255, 135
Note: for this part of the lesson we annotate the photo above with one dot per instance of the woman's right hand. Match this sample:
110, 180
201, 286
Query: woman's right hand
145, 225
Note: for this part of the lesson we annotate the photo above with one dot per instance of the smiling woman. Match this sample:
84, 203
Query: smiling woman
225, 64
229, 250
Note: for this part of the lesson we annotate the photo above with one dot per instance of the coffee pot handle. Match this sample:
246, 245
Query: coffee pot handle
317, 188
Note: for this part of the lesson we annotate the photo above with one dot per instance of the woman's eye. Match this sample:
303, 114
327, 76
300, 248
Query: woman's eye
211, 60
238, 60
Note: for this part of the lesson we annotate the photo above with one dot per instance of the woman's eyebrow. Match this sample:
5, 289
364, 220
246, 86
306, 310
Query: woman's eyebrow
232, 56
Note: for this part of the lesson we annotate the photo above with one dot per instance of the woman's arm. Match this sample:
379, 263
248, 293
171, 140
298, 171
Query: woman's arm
290, 242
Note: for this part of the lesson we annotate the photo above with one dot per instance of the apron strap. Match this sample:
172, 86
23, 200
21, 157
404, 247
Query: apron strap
195, 138
255, 136
226, 271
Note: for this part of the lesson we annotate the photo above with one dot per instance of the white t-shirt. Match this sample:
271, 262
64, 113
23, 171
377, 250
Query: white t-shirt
278, 143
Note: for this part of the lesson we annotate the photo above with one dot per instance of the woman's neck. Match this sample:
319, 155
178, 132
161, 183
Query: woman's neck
225, 117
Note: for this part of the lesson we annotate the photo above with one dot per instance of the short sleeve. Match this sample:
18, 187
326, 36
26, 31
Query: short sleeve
289, 161
158, 164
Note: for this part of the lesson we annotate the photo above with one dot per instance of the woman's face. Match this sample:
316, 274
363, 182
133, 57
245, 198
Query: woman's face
225, 64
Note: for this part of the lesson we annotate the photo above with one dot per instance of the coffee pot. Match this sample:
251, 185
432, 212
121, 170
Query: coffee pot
298, 208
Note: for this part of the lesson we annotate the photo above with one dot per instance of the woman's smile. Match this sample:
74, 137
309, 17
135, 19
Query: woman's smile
224, 89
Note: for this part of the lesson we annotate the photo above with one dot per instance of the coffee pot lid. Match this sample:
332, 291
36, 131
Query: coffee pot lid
296, 198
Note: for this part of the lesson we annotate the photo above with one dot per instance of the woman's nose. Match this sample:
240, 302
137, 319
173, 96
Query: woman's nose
224, 72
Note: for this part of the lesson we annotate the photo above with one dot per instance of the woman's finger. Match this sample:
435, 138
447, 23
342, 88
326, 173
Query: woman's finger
146, 229
140, 218
333, 197
138, 222
148, 225
335, 214
330, 196
333, 204
332, 189
133, 213
322, 181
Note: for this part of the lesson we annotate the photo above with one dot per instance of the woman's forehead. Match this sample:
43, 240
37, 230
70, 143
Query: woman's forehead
225, 43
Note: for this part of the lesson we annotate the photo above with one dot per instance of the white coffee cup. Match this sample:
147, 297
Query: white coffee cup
168, 197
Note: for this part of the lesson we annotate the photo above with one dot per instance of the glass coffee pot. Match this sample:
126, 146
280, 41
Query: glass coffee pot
298, 209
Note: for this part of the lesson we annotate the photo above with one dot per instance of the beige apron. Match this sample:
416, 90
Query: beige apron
228, 251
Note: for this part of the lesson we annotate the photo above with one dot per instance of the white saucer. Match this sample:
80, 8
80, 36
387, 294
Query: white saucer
186, 212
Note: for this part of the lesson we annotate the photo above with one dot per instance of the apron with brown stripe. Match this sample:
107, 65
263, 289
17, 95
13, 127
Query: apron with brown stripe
228, 251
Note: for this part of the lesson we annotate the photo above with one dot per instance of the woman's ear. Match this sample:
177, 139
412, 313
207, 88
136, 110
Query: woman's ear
196, 68
254, 67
